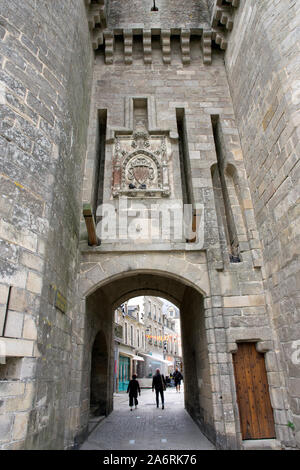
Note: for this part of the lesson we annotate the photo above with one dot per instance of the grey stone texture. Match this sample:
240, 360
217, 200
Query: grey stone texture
53, 91
170, 14
263, 51
46, 64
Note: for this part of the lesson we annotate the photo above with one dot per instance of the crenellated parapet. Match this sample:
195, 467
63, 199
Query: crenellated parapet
106, 28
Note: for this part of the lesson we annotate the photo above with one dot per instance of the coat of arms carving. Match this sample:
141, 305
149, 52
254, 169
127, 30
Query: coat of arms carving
140, 170
140, 165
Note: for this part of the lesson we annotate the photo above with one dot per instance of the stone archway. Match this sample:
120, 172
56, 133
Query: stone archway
104, 293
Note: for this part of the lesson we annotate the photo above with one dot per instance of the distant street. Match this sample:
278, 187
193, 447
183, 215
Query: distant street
148, 427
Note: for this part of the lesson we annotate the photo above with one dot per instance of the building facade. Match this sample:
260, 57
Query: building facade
149, 153
130, 341
145, 339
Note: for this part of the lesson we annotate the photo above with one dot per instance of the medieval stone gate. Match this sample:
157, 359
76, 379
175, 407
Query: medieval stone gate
133, 115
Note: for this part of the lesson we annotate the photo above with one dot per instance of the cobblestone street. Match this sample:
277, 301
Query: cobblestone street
148, 427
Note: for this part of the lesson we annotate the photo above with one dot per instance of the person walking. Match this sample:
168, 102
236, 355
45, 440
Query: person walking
177, 379
159, 384
133, 389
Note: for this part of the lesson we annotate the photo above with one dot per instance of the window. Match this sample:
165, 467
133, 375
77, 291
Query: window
131, 334
125, 333
138, 338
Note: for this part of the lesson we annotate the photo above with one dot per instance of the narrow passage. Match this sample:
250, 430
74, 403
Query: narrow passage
148, 427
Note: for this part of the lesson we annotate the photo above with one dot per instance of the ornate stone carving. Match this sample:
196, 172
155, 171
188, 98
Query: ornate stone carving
141, 170
140, 164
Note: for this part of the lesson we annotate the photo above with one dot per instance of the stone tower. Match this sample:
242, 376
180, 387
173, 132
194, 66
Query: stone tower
114, 118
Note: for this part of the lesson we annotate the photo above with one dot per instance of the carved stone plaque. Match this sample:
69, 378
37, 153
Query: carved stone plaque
140, 165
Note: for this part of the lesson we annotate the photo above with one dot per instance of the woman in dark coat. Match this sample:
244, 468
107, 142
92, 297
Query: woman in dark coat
133, 389
159, 384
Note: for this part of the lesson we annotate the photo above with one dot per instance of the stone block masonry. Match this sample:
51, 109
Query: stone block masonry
265, 94
229, 133
235, 302
45, 72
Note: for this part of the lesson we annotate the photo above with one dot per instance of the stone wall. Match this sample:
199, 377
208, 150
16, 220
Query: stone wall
170, 14
45, 75
197, 373
262, 62
46, 81
235, 309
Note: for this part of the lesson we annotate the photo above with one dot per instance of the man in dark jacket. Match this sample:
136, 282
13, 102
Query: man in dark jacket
133, 389
159, 384
177, 376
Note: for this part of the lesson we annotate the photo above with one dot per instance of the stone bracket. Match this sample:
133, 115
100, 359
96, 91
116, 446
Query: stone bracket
97, 20
222, 21
220, 38
206, 46
109, 47
224, 16
260, 336
165, 38
127, 46
185, 46
147, 46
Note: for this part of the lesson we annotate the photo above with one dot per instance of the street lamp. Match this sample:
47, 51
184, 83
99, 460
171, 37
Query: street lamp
154, 8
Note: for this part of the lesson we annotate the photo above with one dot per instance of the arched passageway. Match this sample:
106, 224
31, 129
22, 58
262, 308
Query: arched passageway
100, 305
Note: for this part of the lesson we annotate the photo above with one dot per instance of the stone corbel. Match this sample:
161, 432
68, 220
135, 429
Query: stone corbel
260, 346
264, 346
109, 47
96, 17
206, 47
147, 46
220, 38
224, 16
222, 21
97, 38
260, 336
165, 38
127, 33
185, 46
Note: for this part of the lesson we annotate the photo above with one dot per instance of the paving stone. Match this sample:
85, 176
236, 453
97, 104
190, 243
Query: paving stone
175, 429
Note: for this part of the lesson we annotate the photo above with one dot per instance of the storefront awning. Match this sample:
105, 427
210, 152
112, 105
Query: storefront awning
138, 358
159, 359
133, 356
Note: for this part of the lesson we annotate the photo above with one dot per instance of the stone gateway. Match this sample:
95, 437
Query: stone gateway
176, 129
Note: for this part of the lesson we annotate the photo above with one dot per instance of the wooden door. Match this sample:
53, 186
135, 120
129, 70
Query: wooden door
256, 414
